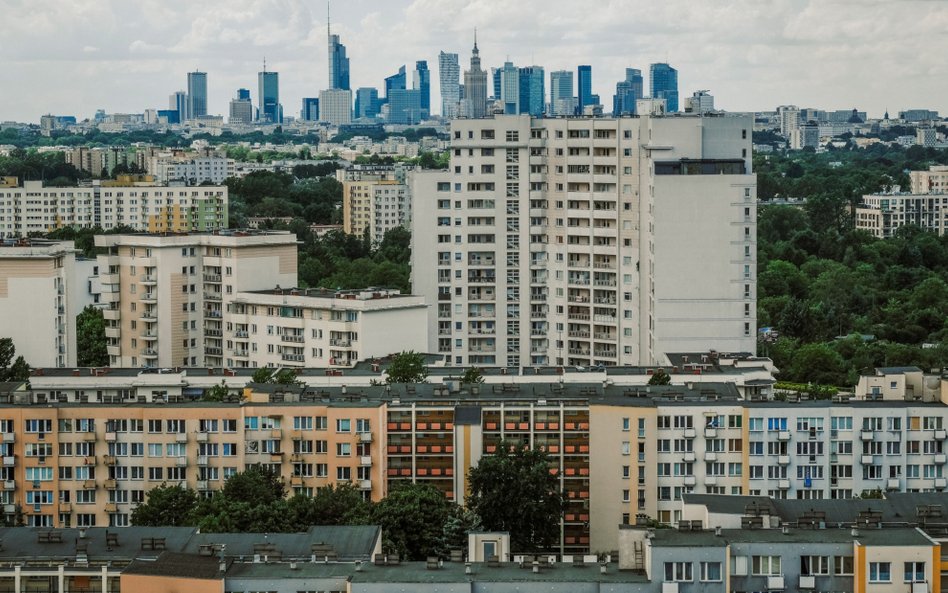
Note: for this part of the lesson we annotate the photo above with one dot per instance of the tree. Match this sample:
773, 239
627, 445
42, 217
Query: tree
256, 485
514, 491
407, 367
19, 370
166, 505
218, 393
412, 518
660, 378
331, 505
90, 338
263, 375
472, 375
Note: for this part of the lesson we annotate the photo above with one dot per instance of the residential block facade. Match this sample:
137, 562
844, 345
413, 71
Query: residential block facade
588, 241
882, 215
374, 200
145, 207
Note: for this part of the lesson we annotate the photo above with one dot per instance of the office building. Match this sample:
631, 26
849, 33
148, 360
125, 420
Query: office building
197, 95
805, 135
562, 100
926, 136
397, 81
475, 87
449, 74
310, 111
532, 91
628, 91
882, 215
335, 106
367, 104
338, 65
421, 81
269, 110
39, 300
700, 102
788, 116
916, 115
588, 260
241, 108
165, 296
663, 81
144, 207
584, 82
374, 200
178, 102
404, 107
509, 87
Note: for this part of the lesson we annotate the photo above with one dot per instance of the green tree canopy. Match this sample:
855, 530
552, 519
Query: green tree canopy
166, 505
413, 518
514, 491
90, 338
407, 367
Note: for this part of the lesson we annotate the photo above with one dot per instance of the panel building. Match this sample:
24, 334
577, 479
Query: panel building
374, 200
577, 241
39, 300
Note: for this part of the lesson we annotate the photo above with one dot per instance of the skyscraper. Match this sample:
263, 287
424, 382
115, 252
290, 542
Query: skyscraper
421, 81
510, 88
310, 110
197, 94
584, 77
475, 86
338, 62
335, 106
449, 72
532, 91
268, 95
367, 103
628, 91
241, 108
395, 82
562, 101
664, 85
178, 102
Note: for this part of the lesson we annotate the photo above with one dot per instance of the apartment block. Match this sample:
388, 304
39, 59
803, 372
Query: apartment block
39, 300
98, 160
933, 181
166, 295
34, 208
882, 215
374, 200
192, 171
298, 328
588, 241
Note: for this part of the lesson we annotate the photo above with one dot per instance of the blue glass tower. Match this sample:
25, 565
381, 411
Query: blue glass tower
532, 90
395, 82
664, 85
584, 75
269, 109
367, 103
338, 64
310, 109
421, 81
628, 91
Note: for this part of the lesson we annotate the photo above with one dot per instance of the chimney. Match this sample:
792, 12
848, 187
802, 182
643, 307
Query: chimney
717, 531
536, 566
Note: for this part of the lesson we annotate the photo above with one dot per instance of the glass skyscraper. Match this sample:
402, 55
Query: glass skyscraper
197, 94
269, 109
449, 73
628, 91
532, 90
395, 82
664, 85
338, 65
562, 100
584, 76
510, 88
421, 81
367, 103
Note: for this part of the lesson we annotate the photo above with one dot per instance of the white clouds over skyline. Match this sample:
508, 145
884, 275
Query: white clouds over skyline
71, 57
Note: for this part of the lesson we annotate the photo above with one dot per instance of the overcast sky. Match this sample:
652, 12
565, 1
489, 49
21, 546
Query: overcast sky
70, 57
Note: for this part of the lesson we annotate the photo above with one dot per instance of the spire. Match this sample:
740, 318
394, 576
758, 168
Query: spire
264, 64
475, 39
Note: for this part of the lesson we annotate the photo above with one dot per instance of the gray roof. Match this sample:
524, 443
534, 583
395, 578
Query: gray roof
174, 564
350, 542
898, 370
896, 536
24, 542
507, 572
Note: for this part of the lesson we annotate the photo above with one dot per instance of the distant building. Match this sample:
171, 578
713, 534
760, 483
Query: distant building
663, 80
475, 87
395, 82
882, 215
191, 171
932, 181
805, 135
269, 110
335, 106
310, 111
926, 136
584, 89
404, 107
39, 300
241, 108
449, 73
562, 100
628, 91
510, 88
367, 104
374, 200
532, 91
788, 116
338, 65
421, 81
97, 161
197, 94
699, 102
178, 102
915, 115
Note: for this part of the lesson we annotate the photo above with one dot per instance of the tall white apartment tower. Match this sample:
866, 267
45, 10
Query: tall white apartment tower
588, 241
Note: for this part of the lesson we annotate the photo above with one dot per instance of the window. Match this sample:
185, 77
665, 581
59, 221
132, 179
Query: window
678, 571
765, 565
343, 425
711, 571
814, 565
914, 572
880, 572
343, 449
842, 565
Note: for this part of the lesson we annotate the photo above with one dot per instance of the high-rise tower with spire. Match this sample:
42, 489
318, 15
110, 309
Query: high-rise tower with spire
475, 86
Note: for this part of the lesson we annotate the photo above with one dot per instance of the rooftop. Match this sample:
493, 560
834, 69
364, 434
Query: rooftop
890, 536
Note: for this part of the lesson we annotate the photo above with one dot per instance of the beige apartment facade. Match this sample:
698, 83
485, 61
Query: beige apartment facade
374, 200
39, 300
165, 296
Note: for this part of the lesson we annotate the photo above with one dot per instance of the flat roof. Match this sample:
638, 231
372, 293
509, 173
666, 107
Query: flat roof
889, 536
505, 572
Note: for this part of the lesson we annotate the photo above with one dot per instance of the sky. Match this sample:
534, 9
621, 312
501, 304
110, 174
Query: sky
71, 57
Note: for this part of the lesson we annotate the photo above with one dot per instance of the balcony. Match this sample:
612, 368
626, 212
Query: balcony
212, 296
710, 433
365, 437
783, 460
111, 484
690, 481
9, 460
365, 484
110, 460
202, 485
710, 456
893, 484
150, 336
202, 437
150, 353
940, 459
149, 280
690, 433
941, 482
689, 456
214, 351
775, 583
9, 485
340, 343
181, 462
149, 298
867, 459
867, 435
113, 332
212, 278
295, 338
670, 587
88, 485
65, 507
783, 484
181, 437
293, 357
111, 314
202, 460
365, 461
941, 435
9, 437
783, 435
213, 333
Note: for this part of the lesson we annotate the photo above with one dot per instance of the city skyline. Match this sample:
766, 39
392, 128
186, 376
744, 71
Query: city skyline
750, 58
